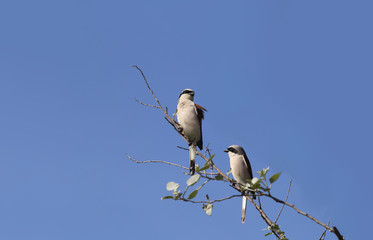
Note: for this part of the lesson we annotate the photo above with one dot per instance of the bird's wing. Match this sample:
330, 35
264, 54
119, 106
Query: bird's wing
200, 114
248, 166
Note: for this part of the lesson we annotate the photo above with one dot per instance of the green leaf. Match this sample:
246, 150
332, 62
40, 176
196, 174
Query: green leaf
267, 234
167, 197
208, 208
193, 179
263, 172
193, 194
206, 166
171, 186
210, 159
274, 177
208, 163
219, 177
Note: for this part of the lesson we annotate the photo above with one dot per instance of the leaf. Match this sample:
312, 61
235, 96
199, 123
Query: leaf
274, 177
267, 234
193, 179
208, 208
171, 186
255, 183
206, 166
219, 177
254, 180
210, 159
193, 194
208, 163
167, 197
263, 172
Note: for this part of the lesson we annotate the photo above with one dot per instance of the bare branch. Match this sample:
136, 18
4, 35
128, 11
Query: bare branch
287, 195
216, 168
323, 235
147, 84
183, 148
265, 218
148, 105
202, 185
207, 150
333, 229
214, 201
157, 161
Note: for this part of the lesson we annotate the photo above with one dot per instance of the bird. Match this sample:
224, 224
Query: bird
241, 170
189, 116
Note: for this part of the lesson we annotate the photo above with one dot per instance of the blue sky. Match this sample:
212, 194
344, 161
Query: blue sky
290, 81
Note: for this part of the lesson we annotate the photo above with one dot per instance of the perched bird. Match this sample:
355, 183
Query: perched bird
241, 170
189, 116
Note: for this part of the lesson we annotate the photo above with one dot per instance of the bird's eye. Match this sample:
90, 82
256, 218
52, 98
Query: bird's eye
231, 149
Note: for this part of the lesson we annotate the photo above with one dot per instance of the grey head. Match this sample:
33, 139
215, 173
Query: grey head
237, 149
187, 93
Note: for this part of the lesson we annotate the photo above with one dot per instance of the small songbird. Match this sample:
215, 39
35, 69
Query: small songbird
241, 170
189, 116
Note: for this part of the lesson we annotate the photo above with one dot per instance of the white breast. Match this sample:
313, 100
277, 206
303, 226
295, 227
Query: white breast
239, 168
188, 119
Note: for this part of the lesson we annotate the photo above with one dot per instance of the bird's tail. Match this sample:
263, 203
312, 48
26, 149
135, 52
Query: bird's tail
243, 209
254, 197
192, 159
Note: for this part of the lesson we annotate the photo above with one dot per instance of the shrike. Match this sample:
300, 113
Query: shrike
189, 116
241, 170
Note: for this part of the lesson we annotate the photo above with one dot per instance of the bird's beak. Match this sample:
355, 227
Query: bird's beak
226, 150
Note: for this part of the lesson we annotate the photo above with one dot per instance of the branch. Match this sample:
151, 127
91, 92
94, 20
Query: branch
331, 229
214, 201
287, 195
148, 105
266, 219
323, 235
147, 84
157, 161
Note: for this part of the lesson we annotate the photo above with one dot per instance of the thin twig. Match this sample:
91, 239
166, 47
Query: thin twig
207, 150
287, 195
147, 84
216, 168
186, 189
323, 235
203, 184
183, 148
145, 104
214, 201
157, 161
299, 211
265, 218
